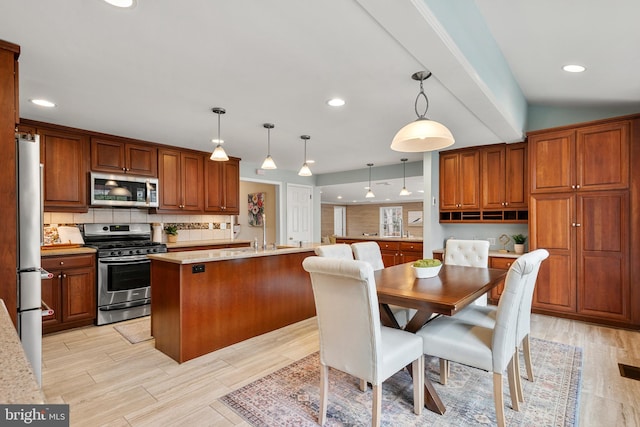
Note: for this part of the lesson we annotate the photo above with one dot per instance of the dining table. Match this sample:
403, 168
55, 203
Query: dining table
451, 290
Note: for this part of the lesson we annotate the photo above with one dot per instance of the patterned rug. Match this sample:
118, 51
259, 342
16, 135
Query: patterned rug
136, 331
289, 397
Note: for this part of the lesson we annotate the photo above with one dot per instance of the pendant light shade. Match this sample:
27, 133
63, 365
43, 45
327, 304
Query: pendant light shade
219, 154
422, 134
404, 191
369, 194
268, 161
304, 170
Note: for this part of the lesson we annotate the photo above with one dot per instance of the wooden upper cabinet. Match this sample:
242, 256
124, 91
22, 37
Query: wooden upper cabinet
460, 180
504, 176
66, 159
123, 157
602, 159
582, 159
222, 186
180, 176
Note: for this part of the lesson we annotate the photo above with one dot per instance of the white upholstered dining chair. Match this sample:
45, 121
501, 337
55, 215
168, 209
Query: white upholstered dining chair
352, 339
370, 252
468, 253
338, 250
488, 348
486, 316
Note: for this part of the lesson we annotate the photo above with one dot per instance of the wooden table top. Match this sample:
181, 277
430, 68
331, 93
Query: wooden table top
451, 290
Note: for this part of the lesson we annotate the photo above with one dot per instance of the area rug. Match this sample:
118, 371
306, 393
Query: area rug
290, 396
136, 331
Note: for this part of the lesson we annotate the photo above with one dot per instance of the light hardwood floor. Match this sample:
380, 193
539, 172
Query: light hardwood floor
108, 381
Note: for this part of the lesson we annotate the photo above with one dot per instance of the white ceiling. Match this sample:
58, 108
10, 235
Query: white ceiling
155, 71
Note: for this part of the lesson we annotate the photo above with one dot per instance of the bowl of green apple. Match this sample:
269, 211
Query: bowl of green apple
426, 268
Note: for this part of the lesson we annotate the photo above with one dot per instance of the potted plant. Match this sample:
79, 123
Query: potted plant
518, 243
172, 233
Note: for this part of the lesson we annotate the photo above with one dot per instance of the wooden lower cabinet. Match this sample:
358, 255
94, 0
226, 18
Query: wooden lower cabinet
587, 274
394, 253
502, 263
71, 293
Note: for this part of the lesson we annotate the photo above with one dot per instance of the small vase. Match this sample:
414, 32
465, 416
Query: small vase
172, 238
518, 248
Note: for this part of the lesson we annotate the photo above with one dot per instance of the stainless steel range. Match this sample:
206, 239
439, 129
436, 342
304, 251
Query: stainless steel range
124, 288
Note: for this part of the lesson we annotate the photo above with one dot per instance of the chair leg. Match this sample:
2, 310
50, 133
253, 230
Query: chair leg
497, 397
526, 349
444, 371
418, 385
377, 405
513, 388
324, 391
363, 385
516, 370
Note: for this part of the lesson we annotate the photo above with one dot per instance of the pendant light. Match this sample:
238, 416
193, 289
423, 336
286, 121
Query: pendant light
219, 155
404, 191
422, 134
268, 161
304, 170
369, 194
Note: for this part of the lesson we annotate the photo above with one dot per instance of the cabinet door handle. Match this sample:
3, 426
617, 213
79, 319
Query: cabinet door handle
578, 225
61, 262
59, 276
578, 186
64, 276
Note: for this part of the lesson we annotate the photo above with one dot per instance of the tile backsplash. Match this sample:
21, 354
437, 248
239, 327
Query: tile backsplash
190, 227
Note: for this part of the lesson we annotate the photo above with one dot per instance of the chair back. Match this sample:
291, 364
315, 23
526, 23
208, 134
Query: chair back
340, 250
348, 316
504, 333
468, 253
524, 317
369, 252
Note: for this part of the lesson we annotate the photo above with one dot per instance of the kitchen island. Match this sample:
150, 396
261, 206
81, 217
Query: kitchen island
205, 300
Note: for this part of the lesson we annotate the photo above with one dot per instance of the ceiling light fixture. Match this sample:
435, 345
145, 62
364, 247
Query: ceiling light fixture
336, 102
219, 155
422, 134
42, 103
121, 3
268, 161
404, 191
304, 170
573, 68
369, 193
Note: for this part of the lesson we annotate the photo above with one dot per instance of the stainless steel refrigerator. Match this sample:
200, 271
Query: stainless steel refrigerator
30, 212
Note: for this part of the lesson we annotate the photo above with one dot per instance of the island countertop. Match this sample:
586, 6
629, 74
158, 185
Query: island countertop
194, 257
381, 239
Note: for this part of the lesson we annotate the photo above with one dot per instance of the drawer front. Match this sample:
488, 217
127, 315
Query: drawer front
410, 247
502, 263
57, 263
389, 246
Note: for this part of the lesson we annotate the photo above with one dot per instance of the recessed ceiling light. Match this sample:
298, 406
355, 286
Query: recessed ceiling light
42, 103
121, 3
574, 68
336, 102
339, 197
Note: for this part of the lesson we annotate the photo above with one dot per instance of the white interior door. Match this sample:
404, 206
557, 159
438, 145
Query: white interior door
340, 220
299, 214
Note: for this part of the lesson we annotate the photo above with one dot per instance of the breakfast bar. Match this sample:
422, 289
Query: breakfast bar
205, 300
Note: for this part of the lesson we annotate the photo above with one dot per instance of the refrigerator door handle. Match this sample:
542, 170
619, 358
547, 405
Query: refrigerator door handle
41, 204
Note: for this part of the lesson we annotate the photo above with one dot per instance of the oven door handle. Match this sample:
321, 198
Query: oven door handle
125, 261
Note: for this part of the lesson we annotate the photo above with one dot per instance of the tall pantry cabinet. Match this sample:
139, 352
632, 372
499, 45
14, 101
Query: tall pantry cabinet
584, 210
9, 117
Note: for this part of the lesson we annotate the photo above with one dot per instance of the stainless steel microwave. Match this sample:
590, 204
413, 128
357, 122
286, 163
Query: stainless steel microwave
123, 191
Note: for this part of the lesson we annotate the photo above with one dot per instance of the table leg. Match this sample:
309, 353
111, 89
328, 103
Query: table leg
431, 399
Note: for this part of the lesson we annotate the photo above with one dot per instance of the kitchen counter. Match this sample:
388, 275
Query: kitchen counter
381, 239
211, 242
492, 254
195, 257
18, 384
205, 300
66, 251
